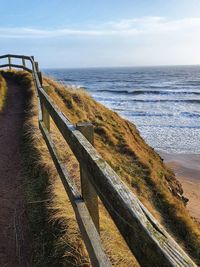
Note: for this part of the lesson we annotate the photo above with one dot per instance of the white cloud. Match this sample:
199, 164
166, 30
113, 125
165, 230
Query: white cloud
39, 33
126, 27
137, 41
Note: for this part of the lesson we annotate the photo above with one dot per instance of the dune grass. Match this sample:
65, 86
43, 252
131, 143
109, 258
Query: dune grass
56, 238
3, 92
121, 145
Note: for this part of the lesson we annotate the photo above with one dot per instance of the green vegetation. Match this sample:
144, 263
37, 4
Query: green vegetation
3, 93
56, 238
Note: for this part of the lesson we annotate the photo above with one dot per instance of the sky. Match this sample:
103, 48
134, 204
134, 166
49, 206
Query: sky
102, 33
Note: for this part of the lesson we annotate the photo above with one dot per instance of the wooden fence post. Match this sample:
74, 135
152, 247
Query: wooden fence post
45, 113
39, 73
23, 62
36, 66
9, 62
88, 192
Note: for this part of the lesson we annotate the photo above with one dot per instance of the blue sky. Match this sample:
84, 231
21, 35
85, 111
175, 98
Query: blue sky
93, 33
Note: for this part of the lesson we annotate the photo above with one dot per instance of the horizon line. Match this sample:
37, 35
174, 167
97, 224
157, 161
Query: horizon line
124, 66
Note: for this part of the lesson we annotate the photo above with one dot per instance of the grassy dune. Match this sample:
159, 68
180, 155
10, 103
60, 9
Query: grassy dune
120, 144
3, 93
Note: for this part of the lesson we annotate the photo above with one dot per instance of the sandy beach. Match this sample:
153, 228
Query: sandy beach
187, 170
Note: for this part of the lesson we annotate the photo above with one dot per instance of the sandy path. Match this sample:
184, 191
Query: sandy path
13, 222
187, 170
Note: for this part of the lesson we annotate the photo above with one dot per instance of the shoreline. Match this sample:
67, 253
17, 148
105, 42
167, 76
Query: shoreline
187, 170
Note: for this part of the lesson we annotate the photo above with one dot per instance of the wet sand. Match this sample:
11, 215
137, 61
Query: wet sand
187, 170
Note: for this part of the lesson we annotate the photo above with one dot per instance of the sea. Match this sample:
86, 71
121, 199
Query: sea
163, 102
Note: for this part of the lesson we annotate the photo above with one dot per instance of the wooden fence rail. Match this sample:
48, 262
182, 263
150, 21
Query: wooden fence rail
154, 246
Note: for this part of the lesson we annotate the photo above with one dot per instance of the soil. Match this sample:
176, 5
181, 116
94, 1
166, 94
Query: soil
14, 237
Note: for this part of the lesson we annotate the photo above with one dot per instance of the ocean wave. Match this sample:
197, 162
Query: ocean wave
152, 92
193, 82
153, 114
143, 114
117, 102
170, 126
191, 101
190, 115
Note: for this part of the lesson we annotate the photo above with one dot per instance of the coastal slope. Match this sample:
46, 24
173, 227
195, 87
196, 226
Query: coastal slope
120, 144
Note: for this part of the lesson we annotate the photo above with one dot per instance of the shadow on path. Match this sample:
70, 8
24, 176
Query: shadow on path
14, 242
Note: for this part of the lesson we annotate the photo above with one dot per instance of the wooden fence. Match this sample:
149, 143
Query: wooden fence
147, 239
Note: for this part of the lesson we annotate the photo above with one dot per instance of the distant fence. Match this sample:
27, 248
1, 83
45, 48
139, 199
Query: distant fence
146, 238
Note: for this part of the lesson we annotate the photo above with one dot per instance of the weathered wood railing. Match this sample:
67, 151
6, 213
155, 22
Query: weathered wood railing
146, 238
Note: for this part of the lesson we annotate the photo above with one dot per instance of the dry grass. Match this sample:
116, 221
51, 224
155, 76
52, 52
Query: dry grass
57, 240
3, 92
119, 142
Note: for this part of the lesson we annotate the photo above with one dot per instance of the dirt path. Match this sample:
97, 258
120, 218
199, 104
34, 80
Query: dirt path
13, 223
